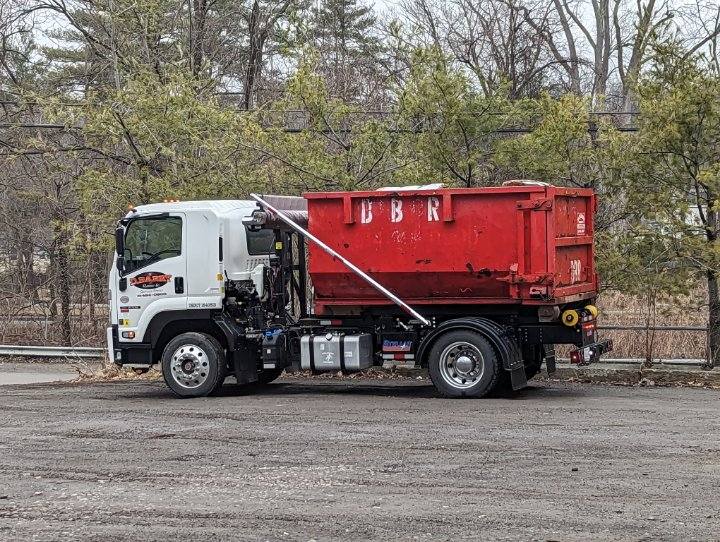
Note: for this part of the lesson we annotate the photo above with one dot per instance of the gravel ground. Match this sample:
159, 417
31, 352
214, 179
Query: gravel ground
358, 460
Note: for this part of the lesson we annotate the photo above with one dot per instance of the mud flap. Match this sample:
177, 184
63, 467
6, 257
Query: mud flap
518, 378
245, 363
513, 362
550, 358
243, 354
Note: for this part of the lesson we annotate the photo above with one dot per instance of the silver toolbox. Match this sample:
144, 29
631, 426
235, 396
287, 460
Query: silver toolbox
324, 352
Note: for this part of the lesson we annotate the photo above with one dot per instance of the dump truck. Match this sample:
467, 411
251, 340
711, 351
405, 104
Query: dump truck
477, 285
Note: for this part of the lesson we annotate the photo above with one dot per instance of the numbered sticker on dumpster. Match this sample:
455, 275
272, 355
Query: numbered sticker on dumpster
575, 271
581, 224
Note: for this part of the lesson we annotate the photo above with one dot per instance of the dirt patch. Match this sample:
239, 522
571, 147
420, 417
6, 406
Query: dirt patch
658, 376
615, 375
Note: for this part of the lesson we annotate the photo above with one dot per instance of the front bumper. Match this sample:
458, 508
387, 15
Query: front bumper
590, 353
128, 354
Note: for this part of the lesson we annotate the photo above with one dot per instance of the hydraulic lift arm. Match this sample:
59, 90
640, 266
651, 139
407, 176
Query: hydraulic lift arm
355, 269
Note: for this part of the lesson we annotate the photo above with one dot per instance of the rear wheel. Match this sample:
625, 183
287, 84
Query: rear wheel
462, 363
193, 364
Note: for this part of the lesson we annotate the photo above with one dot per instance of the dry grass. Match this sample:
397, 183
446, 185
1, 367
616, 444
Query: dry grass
109, 372
618, 309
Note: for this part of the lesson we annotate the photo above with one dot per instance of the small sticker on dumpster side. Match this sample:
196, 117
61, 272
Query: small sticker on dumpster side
581, 224
396, 346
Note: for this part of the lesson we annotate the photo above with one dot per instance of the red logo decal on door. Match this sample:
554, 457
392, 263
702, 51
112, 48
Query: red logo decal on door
150, 280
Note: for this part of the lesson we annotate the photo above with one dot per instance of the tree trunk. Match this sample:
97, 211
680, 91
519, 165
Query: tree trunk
572, 62
713, 320
254, 55
198, 27
713, 339
62, 288
27, 281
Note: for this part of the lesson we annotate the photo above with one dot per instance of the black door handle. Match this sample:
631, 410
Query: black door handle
179, 285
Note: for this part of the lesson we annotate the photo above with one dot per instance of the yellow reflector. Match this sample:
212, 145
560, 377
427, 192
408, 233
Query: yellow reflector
278, 245
219, 276
570, 317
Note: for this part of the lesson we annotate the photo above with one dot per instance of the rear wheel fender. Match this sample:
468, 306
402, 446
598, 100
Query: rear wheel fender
500, 337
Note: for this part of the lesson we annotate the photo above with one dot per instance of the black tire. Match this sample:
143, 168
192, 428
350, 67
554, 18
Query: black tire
207, 357
484, 362
268, 375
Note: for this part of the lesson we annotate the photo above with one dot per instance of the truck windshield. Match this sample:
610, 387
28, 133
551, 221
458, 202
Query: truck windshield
149, 240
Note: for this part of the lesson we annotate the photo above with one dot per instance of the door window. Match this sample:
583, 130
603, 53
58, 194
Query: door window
149, 240
260, 242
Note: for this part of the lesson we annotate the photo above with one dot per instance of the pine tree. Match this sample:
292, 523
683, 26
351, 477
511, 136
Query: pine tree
342, 31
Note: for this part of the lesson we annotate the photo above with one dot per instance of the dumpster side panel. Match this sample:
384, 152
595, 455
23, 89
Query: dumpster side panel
463, 246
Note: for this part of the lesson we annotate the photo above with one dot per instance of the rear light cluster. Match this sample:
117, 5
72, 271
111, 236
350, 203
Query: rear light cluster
592, 353
583, 356
575, 357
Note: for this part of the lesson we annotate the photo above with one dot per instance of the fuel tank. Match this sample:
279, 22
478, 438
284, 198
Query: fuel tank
518, 244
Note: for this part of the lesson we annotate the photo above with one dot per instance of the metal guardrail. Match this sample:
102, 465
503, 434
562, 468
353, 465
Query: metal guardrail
88, 352
99, 353
652, 328
52, 351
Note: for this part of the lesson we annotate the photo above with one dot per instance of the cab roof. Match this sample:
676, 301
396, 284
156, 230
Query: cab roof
217, 206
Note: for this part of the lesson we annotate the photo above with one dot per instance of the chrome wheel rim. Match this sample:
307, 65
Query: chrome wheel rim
189, 366
461, 365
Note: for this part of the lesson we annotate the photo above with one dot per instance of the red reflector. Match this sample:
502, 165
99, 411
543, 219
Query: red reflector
589, 325
398, 356
124, 309
575, 356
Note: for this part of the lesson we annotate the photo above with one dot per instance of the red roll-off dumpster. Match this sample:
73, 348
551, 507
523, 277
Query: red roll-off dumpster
504, 245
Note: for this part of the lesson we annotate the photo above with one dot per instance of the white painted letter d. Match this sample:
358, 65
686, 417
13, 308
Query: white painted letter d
366, 211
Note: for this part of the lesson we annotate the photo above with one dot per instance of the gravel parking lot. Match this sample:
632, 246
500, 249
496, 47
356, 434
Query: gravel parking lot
358, 460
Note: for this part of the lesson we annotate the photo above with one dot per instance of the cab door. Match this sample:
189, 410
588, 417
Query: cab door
153, 278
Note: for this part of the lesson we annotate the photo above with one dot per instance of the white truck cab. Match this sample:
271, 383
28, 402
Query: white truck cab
175, 260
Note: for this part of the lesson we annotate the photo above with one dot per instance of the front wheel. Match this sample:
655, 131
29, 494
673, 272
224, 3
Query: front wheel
462, 363
193, 364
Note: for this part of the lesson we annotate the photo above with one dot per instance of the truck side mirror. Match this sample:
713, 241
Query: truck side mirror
120, 248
